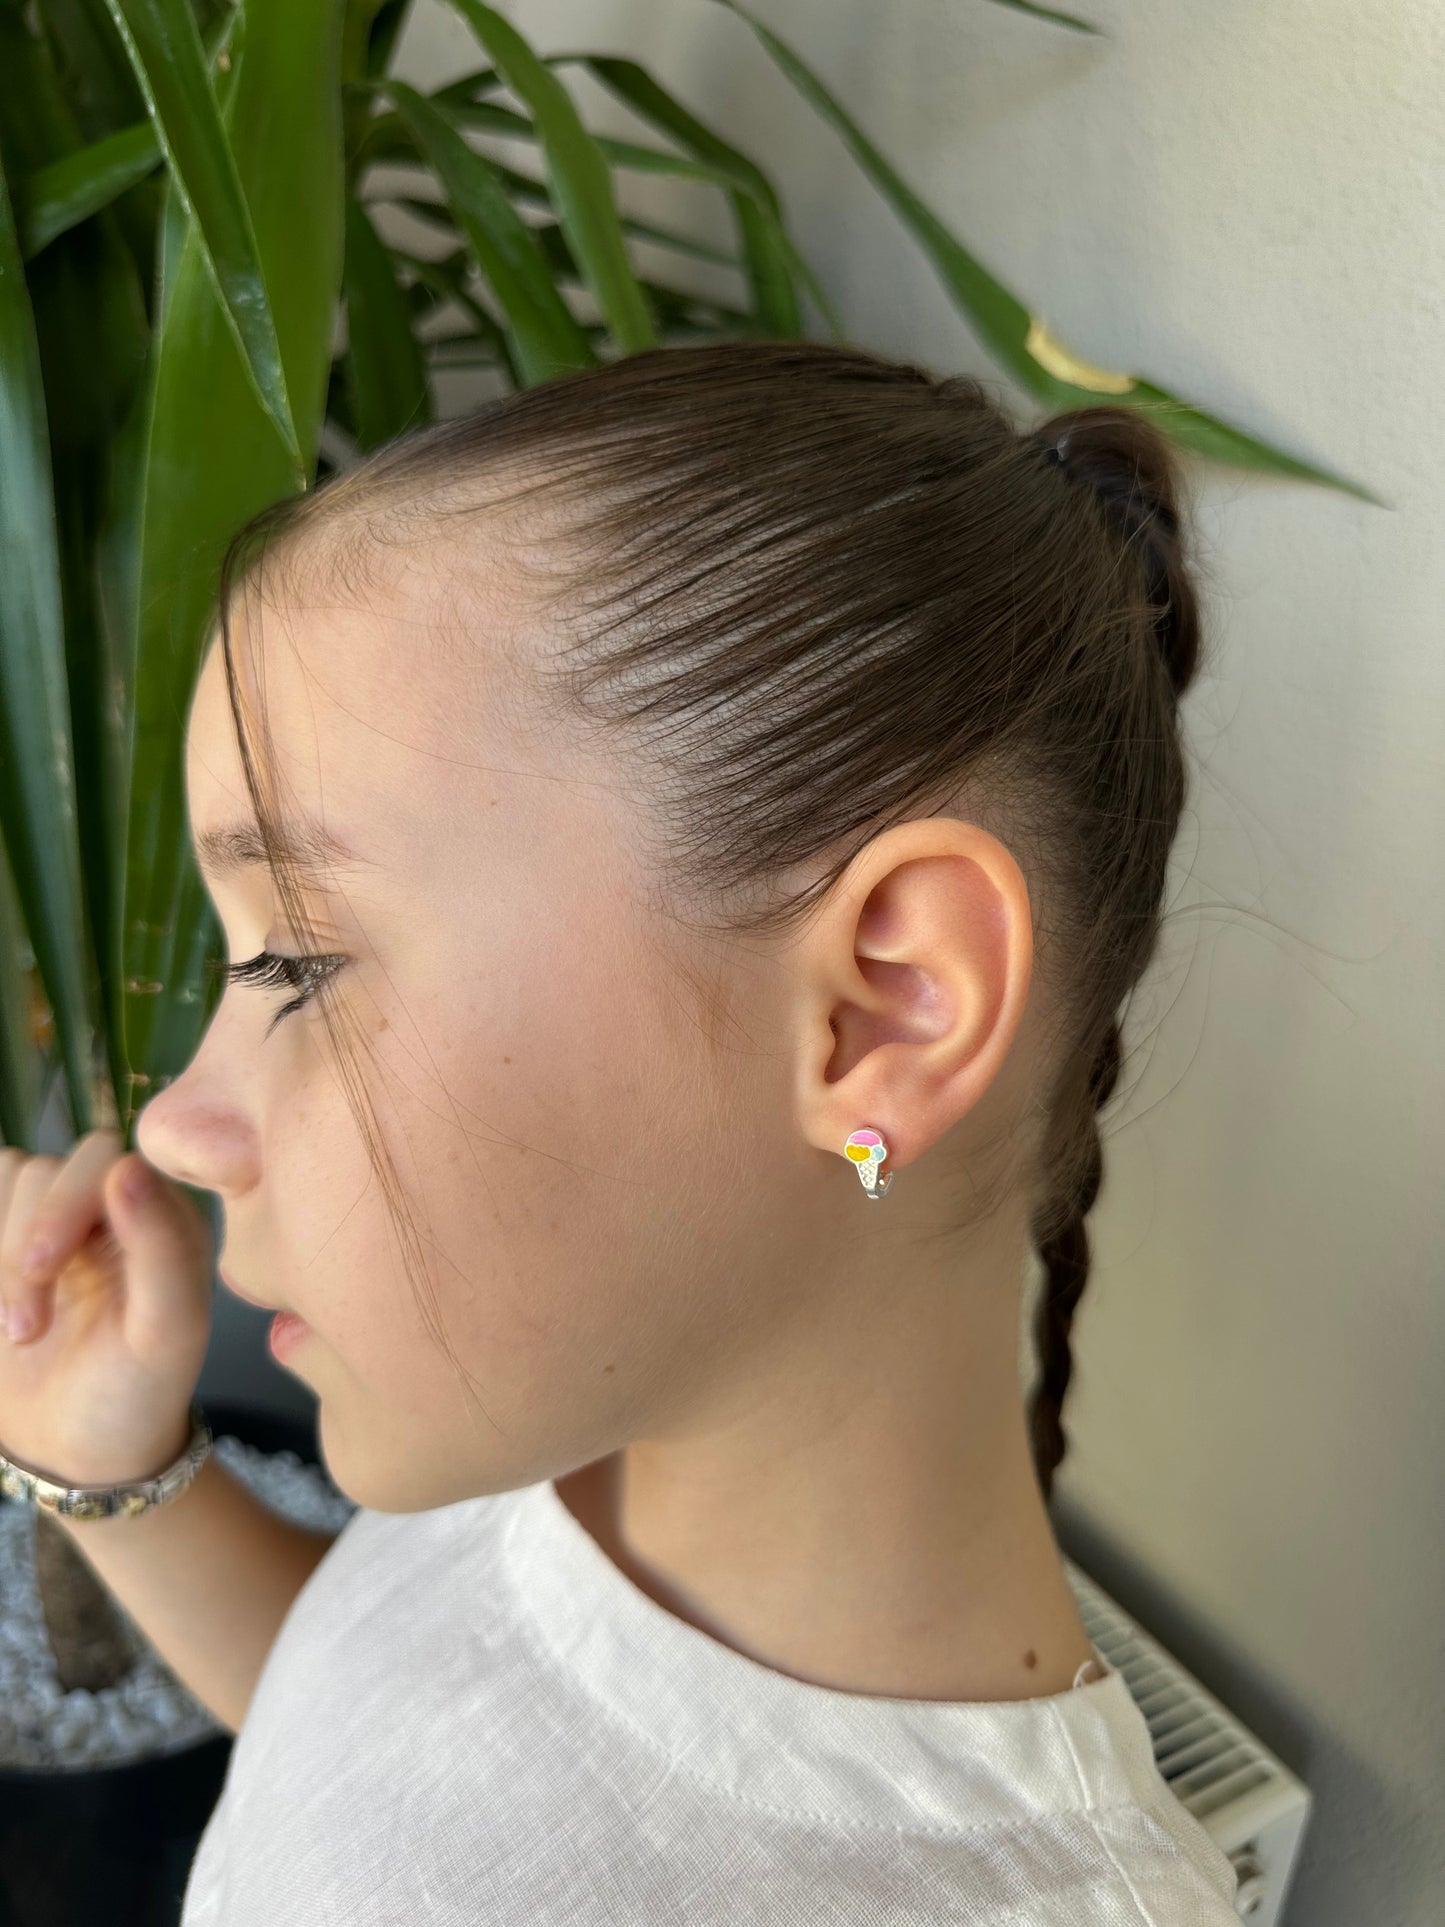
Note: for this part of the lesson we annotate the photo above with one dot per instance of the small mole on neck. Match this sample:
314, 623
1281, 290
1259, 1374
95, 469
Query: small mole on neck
1031, 1658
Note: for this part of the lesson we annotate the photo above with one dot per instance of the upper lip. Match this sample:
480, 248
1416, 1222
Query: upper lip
229, 1282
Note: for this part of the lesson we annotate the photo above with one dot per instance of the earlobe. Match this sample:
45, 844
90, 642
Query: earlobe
915, 978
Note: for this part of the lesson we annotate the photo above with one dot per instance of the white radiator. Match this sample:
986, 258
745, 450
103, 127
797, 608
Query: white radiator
1246, 1800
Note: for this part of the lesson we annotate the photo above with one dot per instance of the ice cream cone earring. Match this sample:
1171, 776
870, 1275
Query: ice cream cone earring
867, 1150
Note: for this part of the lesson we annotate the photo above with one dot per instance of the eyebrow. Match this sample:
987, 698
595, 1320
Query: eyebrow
308, 846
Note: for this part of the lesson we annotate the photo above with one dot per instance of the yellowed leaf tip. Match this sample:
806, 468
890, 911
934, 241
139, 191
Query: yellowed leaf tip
1056, 360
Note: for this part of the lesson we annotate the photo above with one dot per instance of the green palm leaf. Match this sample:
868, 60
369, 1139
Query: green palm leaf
212, 459
545, 335
165, 50
385, 371
581, 183
73, 188
756, 208
37, 779
1051, 13
1019, 340
765, 238
521, 187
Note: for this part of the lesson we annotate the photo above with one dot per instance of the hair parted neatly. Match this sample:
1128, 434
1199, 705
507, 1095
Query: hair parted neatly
821, 591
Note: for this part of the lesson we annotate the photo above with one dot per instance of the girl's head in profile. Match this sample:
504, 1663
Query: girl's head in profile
648, 781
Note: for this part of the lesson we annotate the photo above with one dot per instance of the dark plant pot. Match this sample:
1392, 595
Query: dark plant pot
113, 1846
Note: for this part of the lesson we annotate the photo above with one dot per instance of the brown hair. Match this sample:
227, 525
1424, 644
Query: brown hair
824, 591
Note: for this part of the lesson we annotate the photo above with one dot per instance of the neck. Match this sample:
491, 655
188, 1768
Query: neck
871, 1520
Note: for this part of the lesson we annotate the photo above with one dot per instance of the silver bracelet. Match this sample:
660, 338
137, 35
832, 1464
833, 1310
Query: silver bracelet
36, 1488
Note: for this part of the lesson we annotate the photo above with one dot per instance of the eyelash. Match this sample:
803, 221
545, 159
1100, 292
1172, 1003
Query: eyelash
275, 972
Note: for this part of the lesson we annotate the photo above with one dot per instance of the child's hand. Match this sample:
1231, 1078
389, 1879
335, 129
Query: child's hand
120, 1311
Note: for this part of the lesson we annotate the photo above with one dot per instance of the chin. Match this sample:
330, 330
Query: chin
383, 1486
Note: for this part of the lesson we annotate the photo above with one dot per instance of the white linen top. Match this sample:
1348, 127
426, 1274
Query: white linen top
472, 1715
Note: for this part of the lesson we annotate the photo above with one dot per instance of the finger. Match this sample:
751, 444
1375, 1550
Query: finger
61, 1209
169, 1240
12, 1163
29, 1185
73, 1205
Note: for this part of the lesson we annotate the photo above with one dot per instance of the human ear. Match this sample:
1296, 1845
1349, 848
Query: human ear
911, 985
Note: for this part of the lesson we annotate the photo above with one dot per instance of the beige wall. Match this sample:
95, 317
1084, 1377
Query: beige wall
1245, 201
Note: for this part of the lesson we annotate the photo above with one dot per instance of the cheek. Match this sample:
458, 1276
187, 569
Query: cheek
576, 1138
566, 1163
520, 1116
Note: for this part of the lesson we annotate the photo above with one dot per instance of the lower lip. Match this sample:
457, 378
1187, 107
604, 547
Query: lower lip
287, 1332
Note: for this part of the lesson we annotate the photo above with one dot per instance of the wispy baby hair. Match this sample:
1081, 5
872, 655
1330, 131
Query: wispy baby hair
819, 591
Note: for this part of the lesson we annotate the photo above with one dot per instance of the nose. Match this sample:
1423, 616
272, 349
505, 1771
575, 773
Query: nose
194, 1139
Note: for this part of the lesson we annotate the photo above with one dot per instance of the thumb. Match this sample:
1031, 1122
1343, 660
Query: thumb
155, 1222
134, 1190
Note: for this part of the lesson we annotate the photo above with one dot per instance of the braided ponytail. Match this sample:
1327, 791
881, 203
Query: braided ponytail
1131, 488
1062, 1240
